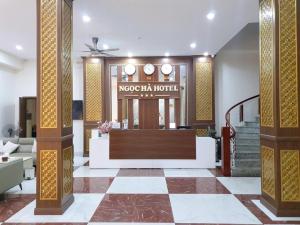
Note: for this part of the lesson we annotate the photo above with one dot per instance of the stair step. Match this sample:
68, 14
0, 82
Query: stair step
246, 172
247, 162
247, 147
248, 155
247, 135
243, 129
245, 141
251, 124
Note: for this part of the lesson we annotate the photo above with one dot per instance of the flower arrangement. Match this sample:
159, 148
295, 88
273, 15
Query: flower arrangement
105, 127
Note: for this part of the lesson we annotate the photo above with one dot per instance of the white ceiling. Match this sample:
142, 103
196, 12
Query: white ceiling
143, 27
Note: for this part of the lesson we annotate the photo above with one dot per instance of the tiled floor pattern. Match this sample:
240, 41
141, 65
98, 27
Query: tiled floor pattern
148, 197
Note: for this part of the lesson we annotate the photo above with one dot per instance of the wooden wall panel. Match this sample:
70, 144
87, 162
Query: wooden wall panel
94, 101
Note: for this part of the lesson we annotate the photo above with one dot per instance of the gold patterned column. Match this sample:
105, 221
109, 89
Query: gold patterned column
204, 98
279, 93
93, 96
54, 88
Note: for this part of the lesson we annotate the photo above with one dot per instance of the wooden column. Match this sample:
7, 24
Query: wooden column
93, 110
130, 108
204, 95
177, 101
120, 101
167, 107
54, 107
279, 105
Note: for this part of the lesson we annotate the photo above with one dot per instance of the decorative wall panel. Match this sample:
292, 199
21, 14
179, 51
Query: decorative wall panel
67, 170
93, 92
290, 176
204, 91
202, 132
48, 174
48, 68
266, 62
268, 171
67, 65
88, 135
288, 69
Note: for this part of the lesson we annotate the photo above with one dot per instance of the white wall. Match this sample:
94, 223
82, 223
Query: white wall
7, 106
237, 77
25, 81
78, 95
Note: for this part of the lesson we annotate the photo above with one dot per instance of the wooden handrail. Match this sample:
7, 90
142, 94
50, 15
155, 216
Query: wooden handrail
227, 115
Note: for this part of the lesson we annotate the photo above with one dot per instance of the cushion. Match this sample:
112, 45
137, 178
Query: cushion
1, 146
26, 141
10, 147
34, 146
13, 140
25, 148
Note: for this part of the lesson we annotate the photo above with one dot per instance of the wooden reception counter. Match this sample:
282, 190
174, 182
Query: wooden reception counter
152, 144
152, 149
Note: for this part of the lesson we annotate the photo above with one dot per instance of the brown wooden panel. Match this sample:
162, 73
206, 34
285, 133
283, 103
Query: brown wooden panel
130, 113
167, 113
148, 114
152, 144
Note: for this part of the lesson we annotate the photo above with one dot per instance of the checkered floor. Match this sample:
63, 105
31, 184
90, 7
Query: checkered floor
152, 196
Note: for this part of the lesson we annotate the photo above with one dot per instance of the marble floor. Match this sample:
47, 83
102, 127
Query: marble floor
149, 197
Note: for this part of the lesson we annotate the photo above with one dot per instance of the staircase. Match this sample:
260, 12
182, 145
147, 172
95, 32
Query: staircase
242, 144
247, 157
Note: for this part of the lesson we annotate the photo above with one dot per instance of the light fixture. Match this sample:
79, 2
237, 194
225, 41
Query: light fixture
210, 16
205, 53
86, 18
167, 54
19, 47
202, 59
129, 54
105, 46
95, 60
193, 45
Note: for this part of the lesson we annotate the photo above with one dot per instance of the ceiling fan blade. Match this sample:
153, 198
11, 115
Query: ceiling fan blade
111, 49
107, 54
90, 47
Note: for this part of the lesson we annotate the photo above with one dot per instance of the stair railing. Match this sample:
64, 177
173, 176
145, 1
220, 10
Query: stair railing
232, 132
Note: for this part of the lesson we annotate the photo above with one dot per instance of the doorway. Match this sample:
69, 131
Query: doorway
27, 117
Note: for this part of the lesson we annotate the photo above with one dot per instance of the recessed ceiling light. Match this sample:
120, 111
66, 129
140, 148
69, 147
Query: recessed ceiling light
210, 16
205, 53
167, 54
129, 54
19, 47
105, 46
193, 45
86, 19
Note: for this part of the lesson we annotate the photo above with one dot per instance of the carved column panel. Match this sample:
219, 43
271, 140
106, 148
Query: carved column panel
279, 99
204, 95
93, 97
54, 88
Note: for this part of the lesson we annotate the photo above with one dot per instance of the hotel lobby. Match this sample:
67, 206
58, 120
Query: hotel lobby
153, 112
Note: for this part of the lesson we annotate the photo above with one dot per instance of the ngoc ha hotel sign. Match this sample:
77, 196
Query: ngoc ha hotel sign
153, 90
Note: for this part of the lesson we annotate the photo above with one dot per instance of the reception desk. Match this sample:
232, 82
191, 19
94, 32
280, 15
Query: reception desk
152, 144
152, 149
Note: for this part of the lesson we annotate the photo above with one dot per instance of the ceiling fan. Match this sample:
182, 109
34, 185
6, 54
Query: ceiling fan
96, 52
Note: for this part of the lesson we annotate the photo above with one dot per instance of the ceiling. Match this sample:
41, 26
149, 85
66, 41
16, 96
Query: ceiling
142, 27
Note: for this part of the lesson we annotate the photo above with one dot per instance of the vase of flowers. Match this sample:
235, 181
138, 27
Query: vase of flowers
104, 128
